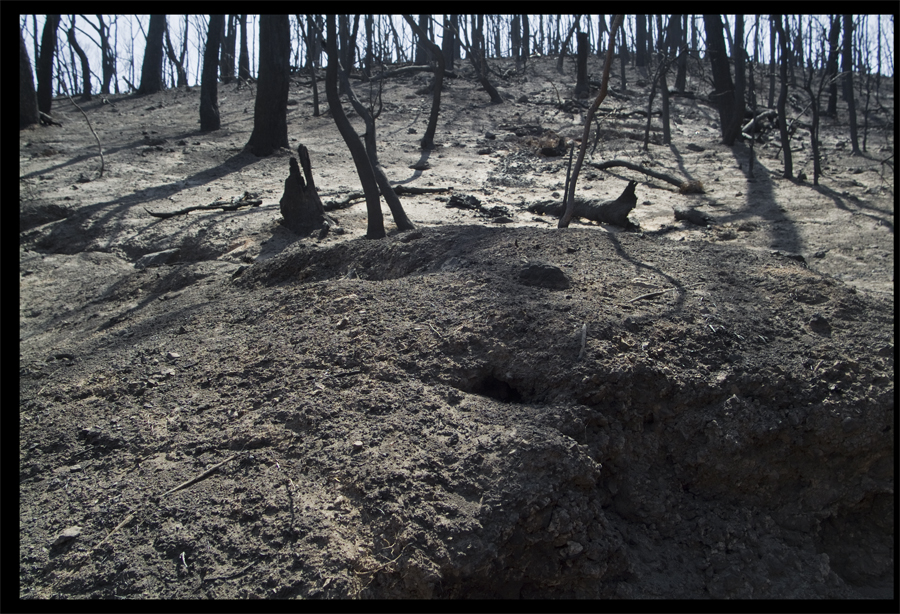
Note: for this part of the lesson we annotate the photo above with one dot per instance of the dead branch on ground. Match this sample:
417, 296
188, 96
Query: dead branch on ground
247, 200
637, 167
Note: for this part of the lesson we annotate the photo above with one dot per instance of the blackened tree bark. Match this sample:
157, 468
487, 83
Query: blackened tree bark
209, 97
270, 111
151, 70
582, 87
515, 34
681, 37
847, 71
479, 60
831, 67
176, 60
312, 46
28, 107
565, 44
301, 206
428, 139
375, 229
45, 64
244, 60
640, 40
450, 29
740, 61
85, 65
107, 54
370, 35
782, 99
226, 58
724, 94
526, 42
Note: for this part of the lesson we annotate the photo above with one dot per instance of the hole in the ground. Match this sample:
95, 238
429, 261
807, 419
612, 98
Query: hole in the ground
497, 389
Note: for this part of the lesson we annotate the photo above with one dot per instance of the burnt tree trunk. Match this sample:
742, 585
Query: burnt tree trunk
582, 87
45, 64
244, 60
85, 65
301, 206
270, 111
437, 83
28, 108
724, 95
151, 70
375, 229
209, 97
479, 60
782, 100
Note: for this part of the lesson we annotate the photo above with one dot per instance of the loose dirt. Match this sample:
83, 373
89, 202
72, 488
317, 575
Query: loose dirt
486, 406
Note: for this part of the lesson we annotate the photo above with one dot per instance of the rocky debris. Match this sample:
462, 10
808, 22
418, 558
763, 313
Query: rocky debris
156, 259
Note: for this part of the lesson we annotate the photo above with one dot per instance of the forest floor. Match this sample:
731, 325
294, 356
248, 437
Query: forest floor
213, 407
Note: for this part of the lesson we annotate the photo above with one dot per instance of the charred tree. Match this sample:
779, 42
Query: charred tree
479, 61
724, 95
244, 60
151, 70
448, 42
209, 97
178, 61
226, 58
45, 64
301, 206
312, 42
28, 107
85, 65
564, 46
437, 83
604, 85
364, 170
782, 99
582, 87
847, 72
640, 40
270, 110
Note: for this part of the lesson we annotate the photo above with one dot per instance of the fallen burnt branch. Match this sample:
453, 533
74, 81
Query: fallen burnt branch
399, 190
247, 200
637, 167
406, 70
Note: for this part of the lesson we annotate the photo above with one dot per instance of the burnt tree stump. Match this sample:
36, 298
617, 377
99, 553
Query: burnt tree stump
301, 206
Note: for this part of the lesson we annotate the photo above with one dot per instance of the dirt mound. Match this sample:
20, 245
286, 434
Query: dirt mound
406, 418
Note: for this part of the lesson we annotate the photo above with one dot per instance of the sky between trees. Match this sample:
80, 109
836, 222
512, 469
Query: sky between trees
130, 32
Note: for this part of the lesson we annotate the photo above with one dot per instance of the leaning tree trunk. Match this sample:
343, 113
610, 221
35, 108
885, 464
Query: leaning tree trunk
375, 228
209, 103
437, 83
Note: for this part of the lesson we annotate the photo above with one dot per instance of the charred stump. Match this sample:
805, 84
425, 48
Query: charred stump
301, 206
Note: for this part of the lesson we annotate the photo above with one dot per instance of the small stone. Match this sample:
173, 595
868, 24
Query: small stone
67, 535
